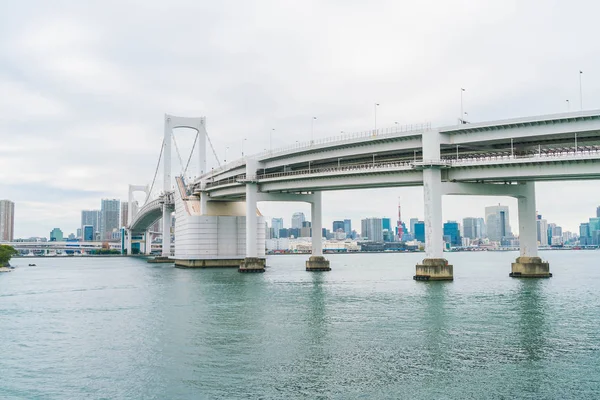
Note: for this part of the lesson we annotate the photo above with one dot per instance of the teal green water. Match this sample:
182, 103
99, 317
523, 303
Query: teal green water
123, 329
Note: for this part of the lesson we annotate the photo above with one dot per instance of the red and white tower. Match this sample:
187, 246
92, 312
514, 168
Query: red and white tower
400, 227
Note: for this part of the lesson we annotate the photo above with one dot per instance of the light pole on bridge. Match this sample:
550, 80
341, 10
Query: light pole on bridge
580, 91
271, 139
312, 129
375, 131
460, 120
243, 140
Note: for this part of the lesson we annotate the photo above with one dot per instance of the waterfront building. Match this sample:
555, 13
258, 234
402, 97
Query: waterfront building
584, 233
542, 231
497, 222
419, 228
386, 224
283, 233
276, 225
297, 220
109, 218
124, 213
470, 228
56, 235
79, 233
452, 232
306, 230
348, 227
412, 222
598, 212
91, 217
372, 229
7, 220
88, 233
338, 225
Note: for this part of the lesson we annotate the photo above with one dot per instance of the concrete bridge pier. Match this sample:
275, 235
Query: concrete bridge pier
317, 262
252, 262
528, 264
147, 242
166, 231
434, 267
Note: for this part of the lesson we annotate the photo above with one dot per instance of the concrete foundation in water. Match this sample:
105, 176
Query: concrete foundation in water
252, 264
530, 267
160, 260
434, 269
228, 263
317, 263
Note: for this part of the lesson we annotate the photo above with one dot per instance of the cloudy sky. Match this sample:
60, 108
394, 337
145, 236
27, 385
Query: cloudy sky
84, 86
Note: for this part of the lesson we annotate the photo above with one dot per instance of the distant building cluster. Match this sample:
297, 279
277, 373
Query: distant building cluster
377, 234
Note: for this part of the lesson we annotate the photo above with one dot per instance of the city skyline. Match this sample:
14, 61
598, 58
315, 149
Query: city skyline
112, 98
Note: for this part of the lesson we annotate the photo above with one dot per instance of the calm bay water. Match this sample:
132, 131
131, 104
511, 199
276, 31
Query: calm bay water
121, 328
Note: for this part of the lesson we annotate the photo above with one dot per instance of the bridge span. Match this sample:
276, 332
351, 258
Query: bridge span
491, 158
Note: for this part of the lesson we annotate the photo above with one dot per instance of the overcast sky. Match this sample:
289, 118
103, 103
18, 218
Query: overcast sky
84, 86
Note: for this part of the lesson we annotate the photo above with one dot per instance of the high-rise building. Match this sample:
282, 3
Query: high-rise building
306, 229
542, 231
452, 233
419, 230
56, 235
7, 220
277, 225
88, 233
497, 222
91, 217
297, 220
79, 233
470, 228
348, 227
386, 223
109, 218
338, 225
412, 222
481, 229
124, 213
372, 229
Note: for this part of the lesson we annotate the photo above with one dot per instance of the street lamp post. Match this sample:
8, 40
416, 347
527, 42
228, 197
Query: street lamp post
376, 105
568, 105
312, 129
580, 91
271, 139
460, 121
243, 140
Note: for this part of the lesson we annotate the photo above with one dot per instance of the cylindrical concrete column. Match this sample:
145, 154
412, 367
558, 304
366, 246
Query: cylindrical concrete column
147, 242
128, 241
166, 232
527, 222
203, 198
432, 193
317, 225
251, 221
167, 154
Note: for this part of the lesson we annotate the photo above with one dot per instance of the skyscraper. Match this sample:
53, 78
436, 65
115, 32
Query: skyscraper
497, 222
372, 228
413, 221
91, 217
348, 227
7, 220
88, 233
542, 231
124, 211
473, 228
419, 229
452, 233
109, 217
338, 225
277, 225
297, 220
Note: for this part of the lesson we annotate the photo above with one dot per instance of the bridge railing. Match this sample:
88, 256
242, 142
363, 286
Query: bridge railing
372, 134
563, 154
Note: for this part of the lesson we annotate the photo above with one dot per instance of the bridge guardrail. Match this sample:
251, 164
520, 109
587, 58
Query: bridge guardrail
560, 155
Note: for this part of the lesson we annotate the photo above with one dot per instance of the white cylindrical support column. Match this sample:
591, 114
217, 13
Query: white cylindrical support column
527, 222
317, 225
148, 242
201, 146
167, 154
434, 266
128, 241
203, 198
432, 191
166, 232
251, 221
